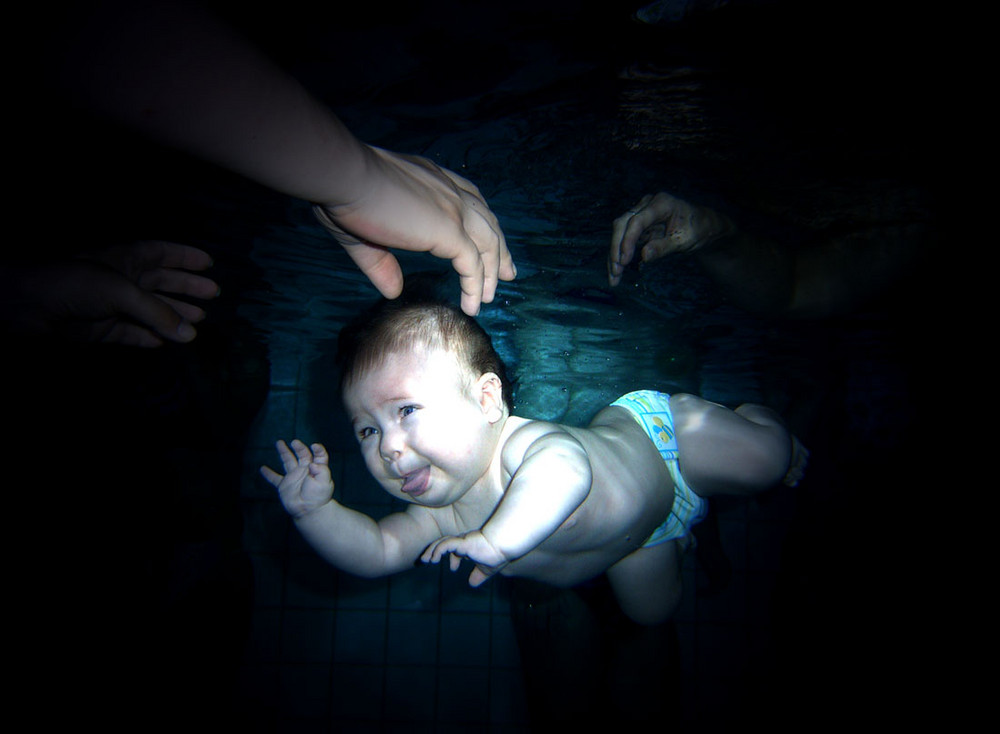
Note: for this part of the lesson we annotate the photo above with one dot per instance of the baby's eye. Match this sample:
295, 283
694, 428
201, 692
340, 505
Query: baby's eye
407, 410
366, 432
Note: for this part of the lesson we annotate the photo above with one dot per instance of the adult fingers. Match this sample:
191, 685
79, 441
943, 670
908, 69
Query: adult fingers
625, 232
498, 264
375, 261
483, 227
461, 249
657, 247
135, 258
128, 335
152, 312
187, 311
472, 280
379, 265
172, 255
178, 282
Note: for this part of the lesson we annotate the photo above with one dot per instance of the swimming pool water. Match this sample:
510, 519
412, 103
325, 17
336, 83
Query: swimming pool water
564, 117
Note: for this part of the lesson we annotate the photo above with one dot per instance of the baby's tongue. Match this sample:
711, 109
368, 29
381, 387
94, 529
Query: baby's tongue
416, 482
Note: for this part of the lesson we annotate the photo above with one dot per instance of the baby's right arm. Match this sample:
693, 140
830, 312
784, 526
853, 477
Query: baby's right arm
347, 539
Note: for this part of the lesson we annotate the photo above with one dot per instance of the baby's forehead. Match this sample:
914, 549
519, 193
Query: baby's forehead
427, 360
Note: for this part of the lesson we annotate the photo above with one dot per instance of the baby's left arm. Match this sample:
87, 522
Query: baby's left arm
550, 478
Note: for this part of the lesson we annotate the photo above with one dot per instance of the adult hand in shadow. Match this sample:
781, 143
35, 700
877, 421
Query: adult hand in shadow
130, 295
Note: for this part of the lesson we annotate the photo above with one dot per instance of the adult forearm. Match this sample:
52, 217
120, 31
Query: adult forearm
182, 77
755, 274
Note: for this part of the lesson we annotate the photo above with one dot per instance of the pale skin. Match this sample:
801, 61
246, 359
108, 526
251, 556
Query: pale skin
522, 497
179, 76
133, 295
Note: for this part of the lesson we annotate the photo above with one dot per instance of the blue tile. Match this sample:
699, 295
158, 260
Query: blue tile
463, 696
307, 636
266, 527
465, 639
252, 484
411, 694
360, 637
504, 652
275, 420
458, 596
413, 638
354, 592
284, 370
305, 691
310, 582
358, 485
507, 699
416, 590
501, 595
358, 693
268, 580
265, 637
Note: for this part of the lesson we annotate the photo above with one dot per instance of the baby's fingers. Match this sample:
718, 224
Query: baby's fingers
288, 459
437, 549
320, 456
271, 475
302, 453
479, 576
430, 554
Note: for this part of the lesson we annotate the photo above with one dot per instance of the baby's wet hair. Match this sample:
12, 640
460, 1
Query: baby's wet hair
421, 317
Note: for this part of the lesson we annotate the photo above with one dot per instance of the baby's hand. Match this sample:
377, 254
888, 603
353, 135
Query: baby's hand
306, 484
473, 546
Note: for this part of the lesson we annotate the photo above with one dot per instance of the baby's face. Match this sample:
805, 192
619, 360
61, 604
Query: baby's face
424, 432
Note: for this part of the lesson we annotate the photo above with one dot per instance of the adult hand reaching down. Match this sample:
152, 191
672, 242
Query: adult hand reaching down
660, 225
409, 203
178, 75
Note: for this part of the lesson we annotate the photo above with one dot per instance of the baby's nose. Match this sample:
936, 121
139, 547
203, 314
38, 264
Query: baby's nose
391, 445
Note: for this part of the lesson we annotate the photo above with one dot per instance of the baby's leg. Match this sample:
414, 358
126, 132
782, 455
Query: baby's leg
724, 451
647, 583
797, 465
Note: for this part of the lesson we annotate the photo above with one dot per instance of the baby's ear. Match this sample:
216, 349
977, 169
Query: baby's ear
490, 391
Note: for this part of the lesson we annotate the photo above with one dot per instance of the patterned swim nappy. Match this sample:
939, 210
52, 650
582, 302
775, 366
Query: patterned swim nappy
651, 410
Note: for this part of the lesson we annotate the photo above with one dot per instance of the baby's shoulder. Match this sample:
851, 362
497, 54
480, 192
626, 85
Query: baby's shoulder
529, 429
521, 433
